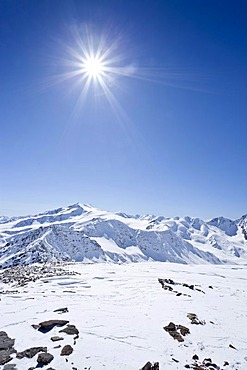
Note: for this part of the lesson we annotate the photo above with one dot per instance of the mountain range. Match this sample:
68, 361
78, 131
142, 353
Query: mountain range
86, 234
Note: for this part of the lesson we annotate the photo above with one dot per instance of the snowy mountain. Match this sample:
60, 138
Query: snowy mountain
84, 233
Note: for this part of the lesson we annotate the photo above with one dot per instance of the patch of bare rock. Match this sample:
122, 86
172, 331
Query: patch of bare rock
22, 275
149, 366
6, 348
177, 331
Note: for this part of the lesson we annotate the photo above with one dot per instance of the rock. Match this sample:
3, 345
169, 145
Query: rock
5, 357
195, 357
10, 367
177, 336
56, 338
194, 319
44, 358
70, 330
46, 326
149, 366
207, 360
35, 326
173, 359
170, 327
66, 350
62, 310
31, 352
6, 348
187, 366
183, 330
5, 341
231, 346
226, 363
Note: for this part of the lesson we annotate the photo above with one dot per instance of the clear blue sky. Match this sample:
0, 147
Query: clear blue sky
178, 144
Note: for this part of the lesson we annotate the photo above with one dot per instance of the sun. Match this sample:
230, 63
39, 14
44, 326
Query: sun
93, 67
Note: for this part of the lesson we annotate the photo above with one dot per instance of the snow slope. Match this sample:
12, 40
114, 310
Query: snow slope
120, 312
84, 233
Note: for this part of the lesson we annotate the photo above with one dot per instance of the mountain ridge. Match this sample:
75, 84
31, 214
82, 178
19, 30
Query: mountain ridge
83, 233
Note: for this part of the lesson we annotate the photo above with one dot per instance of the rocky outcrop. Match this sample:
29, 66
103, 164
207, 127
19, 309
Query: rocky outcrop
6, 348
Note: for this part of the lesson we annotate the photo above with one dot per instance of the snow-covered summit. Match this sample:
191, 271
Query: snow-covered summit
84, 233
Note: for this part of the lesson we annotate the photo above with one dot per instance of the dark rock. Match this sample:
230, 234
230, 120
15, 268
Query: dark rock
187, 366
5, 341
173, 359
46, 326
44, 358
170, 327
192, 287
195, 357
226, 363
177, 336
59, 346
62, 310
194, 319
56, 338
231, 346
35, 326
66, 350
5, 357
207, 360
31, 352
149, 366
70, 330
183, 330
10, 367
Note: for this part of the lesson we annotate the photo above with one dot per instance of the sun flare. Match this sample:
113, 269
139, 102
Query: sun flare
93, 67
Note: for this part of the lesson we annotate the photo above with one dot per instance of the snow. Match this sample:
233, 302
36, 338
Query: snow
120, 311
84, 233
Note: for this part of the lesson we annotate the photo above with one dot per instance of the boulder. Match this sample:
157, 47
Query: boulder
44, 358
46, 326
31, 352
66, 350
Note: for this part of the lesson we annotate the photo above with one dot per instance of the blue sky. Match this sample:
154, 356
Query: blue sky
174, 142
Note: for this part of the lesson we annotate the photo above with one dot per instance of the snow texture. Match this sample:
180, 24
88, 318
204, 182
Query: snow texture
83, 233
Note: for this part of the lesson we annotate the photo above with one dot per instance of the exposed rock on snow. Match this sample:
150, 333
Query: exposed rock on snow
149, 366
46, 326
30, 352
6, 348
44, 358
66, 350
70, 330
174, 330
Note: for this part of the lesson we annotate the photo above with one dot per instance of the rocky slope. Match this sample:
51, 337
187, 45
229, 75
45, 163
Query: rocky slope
83, 233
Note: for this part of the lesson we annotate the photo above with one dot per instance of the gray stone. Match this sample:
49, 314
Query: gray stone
10, 367
66, 350
5, 341
44, 358
46, 326
62, 310
56, 338
31, 352
70, 330
4, 357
